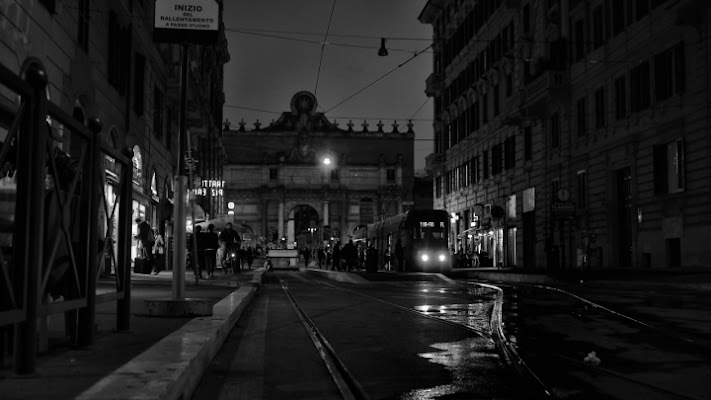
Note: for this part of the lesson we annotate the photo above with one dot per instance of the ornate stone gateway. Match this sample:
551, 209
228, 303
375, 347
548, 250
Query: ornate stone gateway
304, 178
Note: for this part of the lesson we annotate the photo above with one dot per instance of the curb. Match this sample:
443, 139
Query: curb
172, 368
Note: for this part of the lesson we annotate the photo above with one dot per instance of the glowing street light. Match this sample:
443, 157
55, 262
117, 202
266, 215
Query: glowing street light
327, 160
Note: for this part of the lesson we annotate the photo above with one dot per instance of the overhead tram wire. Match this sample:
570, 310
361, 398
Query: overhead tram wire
380, 78
323, 45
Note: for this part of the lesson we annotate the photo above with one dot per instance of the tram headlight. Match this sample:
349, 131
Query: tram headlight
442, 257
425, 257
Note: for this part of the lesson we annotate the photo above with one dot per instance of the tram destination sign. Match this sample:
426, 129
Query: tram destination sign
186, 21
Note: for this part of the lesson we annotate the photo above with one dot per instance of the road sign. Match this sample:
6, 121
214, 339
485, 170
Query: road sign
191, 21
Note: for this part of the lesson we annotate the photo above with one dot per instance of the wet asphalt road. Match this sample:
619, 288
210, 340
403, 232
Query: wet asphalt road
392, 353
636, 356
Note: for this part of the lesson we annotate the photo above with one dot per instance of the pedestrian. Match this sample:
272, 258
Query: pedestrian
371, 259
212, 243
307, 256
321, 254
158, 251
146, 238
400, 255
199, 258
349, 253
336, 257
250, 256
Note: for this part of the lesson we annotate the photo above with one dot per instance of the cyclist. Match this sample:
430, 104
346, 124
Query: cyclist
232, 244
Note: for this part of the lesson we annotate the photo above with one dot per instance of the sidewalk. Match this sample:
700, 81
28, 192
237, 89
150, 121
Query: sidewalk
66, 373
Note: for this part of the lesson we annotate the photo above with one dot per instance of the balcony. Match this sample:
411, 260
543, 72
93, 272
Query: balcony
434, 84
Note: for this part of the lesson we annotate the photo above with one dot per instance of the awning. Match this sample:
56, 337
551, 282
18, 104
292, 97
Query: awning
464, 234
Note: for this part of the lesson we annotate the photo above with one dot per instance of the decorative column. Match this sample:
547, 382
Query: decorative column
325, 212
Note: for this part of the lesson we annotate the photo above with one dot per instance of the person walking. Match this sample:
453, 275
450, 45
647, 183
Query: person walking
350, 255
250, 256
158, 252
199, 258
145, 238
321, 254
336, 257
400, 255
212, 243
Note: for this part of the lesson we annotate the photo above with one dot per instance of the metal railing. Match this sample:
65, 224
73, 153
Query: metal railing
51, 247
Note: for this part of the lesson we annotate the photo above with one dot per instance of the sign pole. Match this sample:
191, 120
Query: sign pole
180, 214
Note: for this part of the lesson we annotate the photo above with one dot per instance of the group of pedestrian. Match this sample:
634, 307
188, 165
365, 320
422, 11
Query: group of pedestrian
151, 246
233, 256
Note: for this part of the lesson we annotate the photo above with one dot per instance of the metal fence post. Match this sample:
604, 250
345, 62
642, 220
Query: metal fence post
29, 246
123, 310
86, 335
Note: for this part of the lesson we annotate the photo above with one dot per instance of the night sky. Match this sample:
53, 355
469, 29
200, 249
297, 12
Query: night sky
275, 50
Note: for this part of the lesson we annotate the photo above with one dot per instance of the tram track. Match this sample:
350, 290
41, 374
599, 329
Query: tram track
345, 381
512, 357
506, 349
595, 371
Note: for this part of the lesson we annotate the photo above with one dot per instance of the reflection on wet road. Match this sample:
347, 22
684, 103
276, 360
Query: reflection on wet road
464, 359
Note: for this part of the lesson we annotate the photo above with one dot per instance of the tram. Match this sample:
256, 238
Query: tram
422, 233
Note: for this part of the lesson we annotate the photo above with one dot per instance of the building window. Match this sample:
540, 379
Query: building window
580, 108
620, 98
497, 101
273, 174
582, 195
510, 152
367, 212
669, 72
526, 18
485, 161
119, 55
579, 40
475, 169
600, 108
334, 175
474, 115
390, 174
484, 109
555, 130
509, 85
527, 143
169, 118
555, 187
83, 25
158, 107
618, 17
669, 167
438, 187
639, 87
496, 159
138, 83
597, 27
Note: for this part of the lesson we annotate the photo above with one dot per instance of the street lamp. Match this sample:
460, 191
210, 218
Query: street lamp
327, 160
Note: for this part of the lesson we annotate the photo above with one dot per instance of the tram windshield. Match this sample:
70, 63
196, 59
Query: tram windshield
431, 230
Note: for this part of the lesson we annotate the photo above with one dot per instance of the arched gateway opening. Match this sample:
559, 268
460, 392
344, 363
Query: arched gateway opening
303, 226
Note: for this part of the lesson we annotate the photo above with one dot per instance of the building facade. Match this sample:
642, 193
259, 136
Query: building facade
304, 181
102, 62
573, 134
